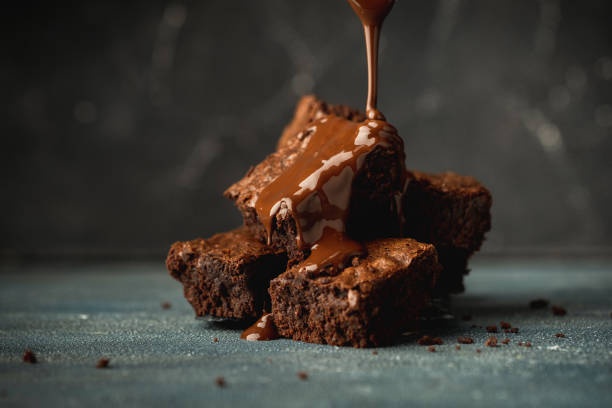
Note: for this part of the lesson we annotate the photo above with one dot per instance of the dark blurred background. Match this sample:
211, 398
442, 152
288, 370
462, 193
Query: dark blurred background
123, 122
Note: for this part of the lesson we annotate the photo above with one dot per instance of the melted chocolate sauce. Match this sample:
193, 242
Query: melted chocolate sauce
316, 190
372, 13
262, 329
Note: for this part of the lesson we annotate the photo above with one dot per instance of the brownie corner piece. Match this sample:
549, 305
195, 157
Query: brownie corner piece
226, 275
367, 304
447, 209
451, 211
376, 184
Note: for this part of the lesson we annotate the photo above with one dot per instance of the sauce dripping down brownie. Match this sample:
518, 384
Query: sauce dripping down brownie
316, 189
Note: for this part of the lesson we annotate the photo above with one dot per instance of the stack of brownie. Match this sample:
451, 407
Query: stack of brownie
418, 229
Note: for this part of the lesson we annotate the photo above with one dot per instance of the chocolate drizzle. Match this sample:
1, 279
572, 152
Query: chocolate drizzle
316, 189
372, 13
262, 329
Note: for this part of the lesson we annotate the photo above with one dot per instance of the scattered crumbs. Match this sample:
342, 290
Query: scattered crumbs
220, 381
505, 341
457, 347
538, 303
528, 344
216, 340
559, 335
478, 350
375, 352
514, 330
302, 375
559, 311
431, 349
466, 317
492, 329
520, 343
505, 325
166, 305
474, 326
491, 342
29, 357
429, 341
465, 340
103, 362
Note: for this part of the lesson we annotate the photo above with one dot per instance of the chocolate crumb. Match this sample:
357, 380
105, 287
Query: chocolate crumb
514, 330
457, 347
474, 326
432, 349
465, 340
375, 352
491, 342
538, 303
466, 318
520, 343
559, 335
505, 325
528, 344
505, 341
492, 329
216, 340
559, 311
220, 381
29, 357
478, 350
103, 362
302, 375
166, 305
428, 341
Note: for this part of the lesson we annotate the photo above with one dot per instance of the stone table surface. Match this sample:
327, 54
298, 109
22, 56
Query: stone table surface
71, 315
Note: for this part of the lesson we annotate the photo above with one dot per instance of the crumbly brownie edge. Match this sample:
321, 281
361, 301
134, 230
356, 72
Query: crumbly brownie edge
373, 314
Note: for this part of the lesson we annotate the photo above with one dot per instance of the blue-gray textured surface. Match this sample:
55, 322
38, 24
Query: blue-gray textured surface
70, 316
122, 122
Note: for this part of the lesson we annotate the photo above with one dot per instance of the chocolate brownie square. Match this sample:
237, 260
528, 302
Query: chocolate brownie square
373, 210
453, 213
367, 304
226, 275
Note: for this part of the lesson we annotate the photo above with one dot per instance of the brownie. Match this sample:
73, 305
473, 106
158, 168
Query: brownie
367, 304
453, 213
372, 212
226, 275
